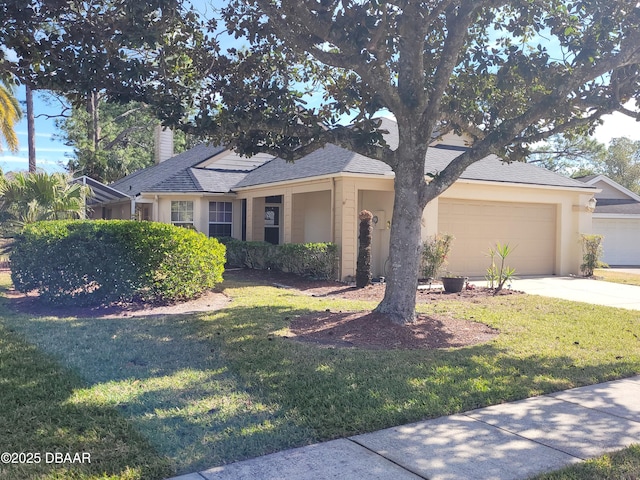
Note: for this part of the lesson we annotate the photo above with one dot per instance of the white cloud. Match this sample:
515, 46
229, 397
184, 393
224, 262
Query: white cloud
617, 125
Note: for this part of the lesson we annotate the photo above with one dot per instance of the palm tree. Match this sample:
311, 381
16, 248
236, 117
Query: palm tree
38, 196
10, 114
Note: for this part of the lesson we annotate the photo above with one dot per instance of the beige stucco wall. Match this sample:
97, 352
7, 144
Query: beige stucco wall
572, 216
311, 217
307, 207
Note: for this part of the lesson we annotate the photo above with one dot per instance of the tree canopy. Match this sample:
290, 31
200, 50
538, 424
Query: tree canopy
578, 156
125, 140
508, 74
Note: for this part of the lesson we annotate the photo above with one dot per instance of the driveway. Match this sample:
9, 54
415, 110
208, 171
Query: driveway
578, 289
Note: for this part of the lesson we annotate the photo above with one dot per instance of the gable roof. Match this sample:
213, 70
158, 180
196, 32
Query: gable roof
618, 206
593, 179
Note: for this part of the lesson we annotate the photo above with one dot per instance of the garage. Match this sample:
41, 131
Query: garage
477, 225
621, 243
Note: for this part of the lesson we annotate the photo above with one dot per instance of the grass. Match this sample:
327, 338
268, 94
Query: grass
211, 388
617, 276
37, 417
622, 465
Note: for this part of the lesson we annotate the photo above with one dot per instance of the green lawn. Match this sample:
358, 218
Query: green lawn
622, 465
212, 388
617, 277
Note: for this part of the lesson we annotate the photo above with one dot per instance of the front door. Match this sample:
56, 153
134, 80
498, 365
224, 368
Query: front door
272, 224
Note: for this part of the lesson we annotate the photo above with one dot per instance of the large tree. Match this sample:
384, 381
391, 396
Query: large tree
507, 73
88, 50
122, 143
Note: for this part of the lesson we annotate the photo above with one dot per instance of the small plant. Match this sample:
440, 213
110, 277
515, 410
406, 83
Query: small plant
591, 254
434, 254
363, 266
498, 273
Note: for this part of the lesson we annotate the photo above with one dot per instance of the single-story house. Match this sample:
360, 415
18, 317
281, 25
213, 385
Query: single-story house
617, 218
317, 199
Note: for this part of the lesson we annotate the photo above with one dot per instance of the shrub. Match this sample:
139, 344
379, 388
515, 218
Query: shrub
434, 254
363, 265
101, 262
591, 254
314, 260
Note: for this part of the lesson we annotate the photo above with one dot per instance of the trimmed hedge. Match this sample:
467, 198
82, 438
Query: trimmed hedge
314, 260
105, 261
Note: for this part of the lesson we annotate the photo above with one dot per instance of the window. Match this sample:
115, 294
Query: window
182, 213
220, 219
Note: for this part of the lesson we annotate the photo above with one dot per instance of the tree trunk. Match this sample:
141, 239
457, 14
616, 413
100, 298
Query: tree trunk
399, 300
31, 130
93, 111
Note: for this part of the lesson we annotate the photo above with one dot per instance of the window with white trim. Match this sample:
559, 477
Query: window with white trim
220, 219
182, 213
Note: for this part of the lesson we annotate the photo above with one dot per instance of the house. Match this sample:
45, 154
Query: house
617, 218
317, 199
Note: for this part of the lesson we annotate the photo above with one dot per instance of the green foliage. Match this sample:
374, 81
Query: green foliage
10, 114
314, 260
591, 254
100, 262
125, 143
499, 274
434, 254
363, 265
31, 197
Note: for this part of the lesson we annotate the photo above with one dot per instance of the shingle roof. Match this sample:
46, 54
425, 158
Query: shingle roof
626, 206
333, 159
170, 175
183, 174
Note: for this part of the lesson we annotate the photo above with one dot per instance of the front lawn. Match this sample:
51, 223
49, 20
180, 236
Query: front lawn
616, 276
212, 388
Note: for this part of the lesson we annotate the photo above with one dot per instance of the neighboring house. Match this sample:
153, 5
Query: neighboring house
317, 199
617, 218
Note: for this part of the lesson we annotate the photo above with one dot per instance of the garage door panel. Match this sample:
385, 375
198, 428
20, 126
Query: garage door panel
621, 243
528, 228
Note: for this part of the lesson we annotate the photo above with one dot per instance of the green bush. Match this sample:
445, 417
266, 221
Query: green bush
591, 254
315, 260
101, 262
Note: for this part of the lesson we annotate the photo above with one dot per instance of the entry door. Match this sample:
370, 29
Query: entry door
272, 224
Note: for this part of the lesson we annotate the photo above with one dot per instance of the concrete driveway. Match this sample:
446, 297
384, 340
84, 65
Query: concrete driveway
578, 289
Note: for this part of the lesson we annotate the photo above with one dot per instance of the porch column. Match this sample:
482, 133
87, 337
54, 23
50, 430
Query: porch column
345, 225
287, 214
249, 220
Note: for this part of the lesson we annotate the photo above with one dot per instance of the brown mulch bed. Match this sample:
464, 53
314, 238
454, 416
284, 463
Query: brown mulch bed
335, 329
373, 330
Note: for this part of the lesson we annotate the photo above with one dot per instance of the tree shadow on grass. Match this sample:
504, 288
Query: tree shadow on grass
208, 389
36, 417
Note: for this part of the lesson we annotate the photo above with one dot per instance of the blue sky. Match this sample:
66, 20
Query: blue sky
52, 155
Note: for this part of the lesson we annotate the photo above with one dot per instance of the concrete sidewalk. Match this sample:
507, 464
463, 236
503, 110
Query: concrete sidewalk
508, 441
580, 289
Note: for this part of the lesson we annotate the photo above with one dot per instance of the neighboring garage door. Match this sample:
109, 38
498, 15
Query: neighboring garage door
477, 226
621, 244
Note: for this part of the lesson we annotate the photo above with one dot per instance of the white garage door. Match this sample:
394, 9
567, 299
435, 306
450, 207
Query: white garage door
477, 226
621, 242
